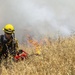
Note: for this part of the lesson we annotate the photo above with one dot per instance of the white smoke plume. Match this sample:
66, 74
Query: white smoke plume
39, 17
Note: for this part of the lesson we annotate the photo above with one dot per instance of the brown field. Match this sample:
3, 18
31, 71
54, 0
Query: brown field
57, 58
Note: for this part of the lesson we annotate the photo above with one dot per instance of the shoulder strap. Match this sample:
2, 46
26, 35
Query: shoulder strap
1, 39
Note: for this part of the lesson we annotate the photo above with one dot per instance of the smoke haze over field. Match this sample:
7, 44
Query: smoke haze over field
41, 17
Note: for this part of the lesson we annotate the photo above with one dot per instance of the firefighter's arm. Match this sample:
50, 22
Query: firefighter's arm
0, 44
16, 45
0, 47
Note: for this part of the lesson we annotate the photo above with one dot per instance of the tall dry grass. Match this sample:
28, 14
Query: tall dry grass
57, 58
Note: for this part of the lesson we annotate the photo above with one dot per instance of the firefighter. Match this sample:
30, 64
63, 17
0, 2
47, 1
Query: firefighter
8, 43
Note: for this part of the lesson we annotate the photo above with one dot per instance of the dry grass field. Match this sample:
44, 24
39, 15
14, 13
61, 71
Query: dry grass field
57, 58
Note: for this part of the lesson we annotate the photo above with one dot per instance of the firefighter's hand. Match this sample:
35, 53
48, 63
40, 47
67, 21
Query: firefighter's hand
21, 55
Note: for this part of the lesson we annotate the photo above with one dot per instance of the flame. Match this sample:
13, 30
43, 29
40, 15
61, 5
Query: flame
35, 44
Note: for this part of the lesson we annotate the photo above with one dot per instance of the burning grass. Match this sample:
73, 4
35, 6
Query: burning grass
57, 58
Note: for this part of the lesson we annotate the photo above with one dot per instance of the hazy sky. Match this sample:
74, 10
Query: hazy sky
41, 17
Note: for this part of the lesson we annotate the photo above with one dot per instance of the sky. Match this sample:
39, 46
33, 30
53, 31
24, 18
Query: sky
38, 17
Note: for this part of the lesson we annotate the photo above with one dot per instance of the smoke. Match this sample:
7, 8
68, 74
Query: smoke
38, 17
